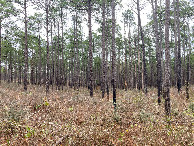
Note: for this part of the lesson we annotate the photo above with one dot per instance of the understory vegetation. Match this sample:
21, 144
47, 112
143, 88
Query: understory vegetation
71, 117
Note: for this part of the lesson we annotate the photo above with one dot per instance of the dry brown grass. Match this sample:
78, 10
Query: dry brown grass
73, 118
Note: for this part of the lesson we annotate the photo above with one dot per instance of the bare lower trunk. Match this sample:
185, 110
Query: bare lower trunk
113, 54
158, 51
90, 50
175, 39
130, 59
25, 51
62, 67
143, 50
57, 64
0, 51
138, 72
179, 50
47, 48
166, 94
188, 64
103, 49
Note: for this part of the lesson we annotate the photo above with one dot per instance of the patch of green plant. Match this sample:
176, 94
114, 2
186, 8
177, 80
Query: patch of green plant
70, 109
175, 112
189, 111
37, 106
191, 107
144, 116
14, 114
46, 103
30, 132
8, 142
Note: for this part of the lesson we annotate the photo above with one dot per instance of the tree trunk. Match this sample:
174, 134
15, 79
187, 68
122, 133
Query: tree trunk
138, 72
106, 61
90, 50
25, 50
161, 47
187, 76
53, 66
143, 49
188, 64
0, 51
57, 64
175, 43
40, 59
183, 69
20, 70
158, 51
47, 48
14, 67
77, 64
10, 71
62, 67
113, 54
179, 50
130, 61
103, 49
32, 68
166, 94
118, 69
126, 82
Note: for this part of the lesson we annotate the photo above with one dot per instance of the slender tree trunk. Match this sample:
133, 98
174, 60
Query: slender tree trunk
188, 64
118, 70
107, 77
126, 82
57, 64
25, 50
150, 68
179, 50
40, 59
5, 71
175, 39
187, 76
77, 55
15, 67
158, 51
20, 70
184, 54
62, 69
47, 48
167, 60
107, 68
138, 72
130, 61
143, 49
90, 50
36, 77
113, 54
161, 46
103, 49
10, 79
9, 69
0, 51
32, 69
53, 66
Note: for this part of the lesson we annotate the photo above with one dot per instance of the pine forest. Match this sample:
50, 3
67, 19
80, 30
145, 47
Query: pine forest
96, 72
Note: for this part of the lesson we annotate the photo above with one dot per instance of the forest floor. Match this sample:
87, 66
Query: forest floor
71, 117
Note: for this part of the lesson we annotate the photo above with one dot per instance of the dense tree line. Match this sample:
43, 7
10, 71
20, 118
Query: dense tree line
156, 55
